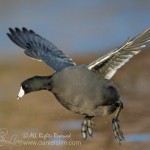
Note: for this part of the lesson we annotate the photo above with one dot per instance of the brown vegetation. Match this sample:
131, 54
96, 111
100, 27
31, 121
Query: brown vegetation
39, 112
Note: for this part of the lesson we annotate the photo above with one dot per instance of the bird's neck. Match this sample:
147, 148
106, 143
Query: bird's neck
44, 82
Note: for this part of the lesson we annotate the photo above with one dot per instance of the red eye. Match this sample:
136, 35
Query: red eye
26, 85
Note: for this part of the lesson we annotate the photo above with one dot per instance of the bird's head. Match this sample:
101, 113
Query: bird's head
32, 84
26, 87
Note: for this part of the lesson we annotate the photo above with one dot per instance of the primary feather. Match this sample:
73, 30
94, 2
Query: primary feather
39, 48
108, 64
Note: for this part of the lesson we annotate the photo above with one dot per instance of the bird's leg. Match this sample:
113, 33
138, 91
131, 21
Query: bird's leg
86, 127
115, 123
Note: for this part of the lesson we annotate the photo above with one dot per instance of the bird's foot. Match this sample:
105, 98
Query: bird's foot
87, 127
115, 124
117, 131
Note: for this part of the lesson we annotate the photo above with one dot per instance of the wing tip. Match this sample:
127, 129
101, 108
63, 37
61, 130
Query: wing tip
11, 30
8, 34
19, 30
15, 30
24, 29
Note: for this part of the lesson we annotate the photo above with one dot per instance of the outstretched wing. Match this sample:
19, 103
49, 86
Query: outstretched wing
39, 48
107, 65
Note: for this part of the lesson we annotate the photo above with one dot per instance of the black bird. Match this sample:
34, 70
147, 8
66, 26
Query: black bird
84, 89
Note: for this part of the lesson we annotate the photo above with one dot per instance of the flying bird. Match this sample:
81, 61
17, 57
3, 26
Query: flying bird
85, 89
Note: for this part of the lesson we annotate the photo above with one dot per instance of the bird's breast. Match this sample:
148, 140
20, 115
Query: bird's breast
79, 89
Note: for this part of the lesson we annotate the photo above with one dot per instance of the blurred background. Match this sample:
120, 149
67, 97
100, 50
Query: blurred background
84, 29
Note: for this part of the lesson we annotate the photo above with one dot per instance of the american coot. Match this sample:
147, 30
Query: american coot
84, 89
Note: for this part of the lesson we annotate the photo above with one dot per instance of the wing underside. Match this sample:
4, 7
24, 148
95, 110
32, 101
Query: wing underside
107, 65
